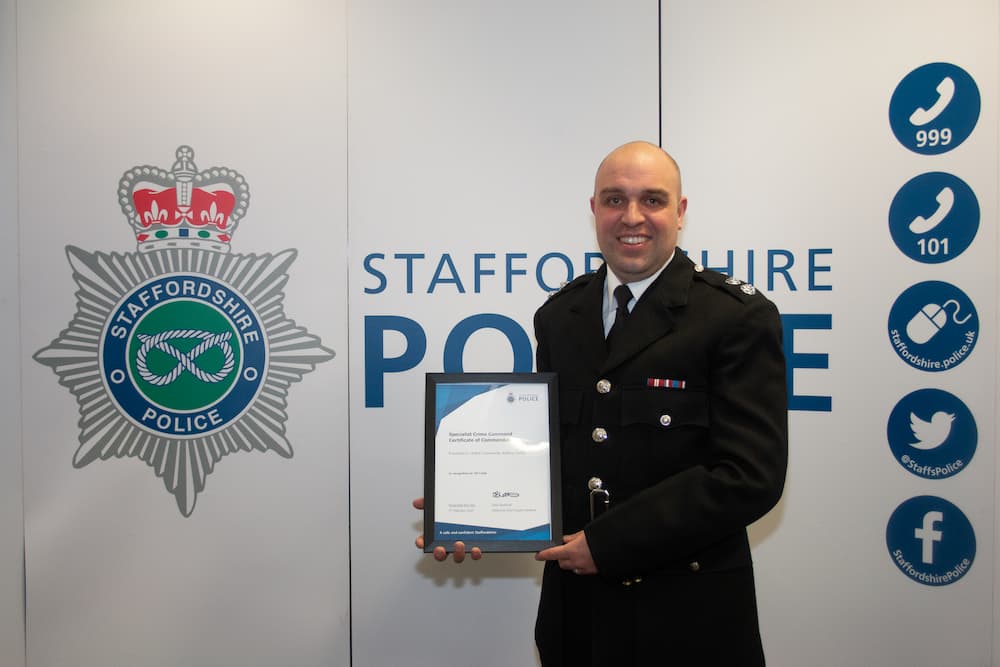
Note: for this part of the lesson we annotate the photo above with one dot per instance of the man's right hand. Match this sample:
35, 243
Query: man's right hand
440, 553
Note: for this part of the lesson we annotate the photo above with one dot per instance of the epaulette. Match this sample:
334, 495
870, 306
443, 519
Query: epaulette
735, 287
574, 284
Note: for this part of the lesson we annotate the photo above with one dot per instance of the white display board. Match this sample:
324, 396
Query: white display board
785, 118
475, 131
205, 524
410, 181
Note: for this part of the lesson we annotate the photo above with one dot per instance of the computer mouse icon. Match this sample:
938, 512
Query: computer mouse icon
932, 318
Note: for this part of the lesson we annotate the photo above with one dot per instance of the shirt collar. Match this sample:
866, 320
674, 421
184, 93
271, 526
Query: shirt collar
637, 288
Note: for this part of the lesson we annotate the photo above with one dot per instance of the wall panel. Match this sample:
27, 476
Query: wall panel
474, 129
782, 116
136, 554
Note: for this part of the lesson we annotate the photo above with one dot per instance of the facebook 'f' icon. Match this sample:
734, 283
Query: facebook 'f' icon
931, 541
928, 535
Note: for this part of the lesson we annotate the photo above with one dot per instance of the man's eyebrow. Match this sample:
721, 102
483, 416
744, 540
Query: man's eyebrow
665, 194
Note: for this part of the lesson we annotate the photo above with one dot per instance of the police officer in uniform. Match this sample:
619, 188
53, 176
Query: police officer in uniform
680, 418
674, 438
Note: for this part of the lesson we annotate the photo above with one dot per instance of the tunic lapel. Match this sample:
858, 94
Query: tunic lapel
587, 324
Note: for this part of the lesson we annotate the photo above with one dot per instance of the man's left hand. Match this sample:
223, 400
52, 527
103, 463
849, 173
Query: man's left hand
573, 555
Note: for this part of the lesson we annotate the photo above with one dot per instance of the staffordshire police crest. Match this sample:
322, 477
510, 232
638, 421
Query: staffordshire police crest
180, 353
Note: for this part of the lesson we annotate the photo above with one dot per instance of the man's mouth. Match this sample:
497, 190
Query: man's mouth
632, 240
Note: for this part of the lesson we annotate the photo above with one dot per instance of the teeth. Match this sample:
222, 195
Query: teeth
631, 240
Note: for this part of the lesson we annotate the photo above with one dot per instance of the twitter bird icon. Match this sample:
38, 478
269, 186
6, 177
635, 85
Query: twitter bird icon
931, 434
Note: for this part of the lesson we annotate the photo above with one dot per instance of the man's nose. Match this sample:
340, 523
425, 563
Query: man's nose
632, 214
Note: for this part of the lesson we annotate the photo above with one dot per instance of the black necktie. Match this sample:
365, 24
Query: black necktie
622, 296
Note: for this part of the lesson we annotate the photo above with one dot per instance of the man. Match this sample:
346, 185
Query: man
678, 418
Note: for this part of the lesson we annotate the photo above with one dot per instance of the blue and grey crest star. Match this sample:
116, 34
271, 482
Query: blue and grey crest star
121, 416
181, 353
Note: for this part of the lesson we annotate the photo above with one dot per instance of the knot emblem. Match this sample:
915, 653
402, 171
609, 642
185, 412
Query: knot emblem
186, 361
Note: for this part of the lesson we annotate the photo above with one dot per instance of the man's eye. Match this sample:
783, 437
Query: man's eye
614, 201
653, 201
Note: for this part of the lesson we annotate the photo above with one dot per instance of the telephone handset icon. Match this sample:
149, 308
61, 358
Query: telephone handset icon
945, 91
945, 199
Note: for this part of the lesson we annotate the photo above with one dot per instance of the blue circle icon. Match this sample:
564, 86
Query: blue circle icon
931, 541
934, 217
933, 326
932, 434
934, 108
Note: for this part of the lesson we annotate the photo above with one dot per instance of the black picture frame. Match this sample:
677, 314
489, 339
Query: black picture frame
447, 391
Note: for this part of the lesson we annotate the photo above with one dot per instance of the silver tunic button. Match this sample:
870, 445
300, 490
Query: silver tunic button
665, 420
603, 386
599, 434
698, 268
694, 566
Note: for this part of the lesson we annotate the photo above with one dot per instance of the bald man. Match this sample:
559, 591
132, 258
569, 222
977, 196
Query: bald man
678, 419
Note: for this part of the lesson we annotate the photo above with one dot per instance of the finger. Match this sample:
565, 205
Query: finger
418, 503
477, 553
552, 553
420, 541
440, 554
459, 554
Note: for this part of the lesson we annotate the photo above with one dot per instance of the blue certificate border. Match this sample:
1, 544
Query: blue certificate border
447, 391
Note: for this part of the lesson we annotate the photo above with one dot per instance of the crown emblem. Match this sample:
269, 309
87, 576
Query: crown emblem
183, 207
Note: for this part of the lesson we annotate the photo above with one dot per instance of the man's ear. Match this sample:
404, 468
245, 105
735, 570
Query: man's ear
592, 205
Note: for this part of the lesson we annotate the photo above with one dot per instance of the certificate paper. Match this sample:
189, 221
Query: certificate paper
491, 461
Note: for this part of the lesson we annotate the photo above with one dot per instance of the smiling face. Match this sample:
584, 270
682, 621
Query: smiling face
638, 209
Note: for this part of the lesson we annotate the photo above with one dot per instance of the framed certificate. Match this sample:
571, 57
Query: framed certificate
491, 461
